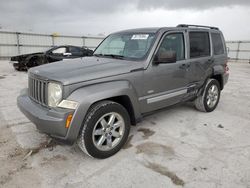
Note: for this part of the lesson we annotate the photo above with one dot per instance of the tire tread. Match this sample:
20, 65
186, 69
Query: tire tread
199, 101
89, 116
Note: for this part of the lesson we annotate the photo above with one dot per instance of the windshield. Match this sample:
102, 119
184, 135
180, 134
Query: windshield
126, 45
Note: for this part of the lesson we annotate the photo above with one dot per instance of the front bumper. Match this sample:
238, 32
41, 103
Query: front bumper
18, 65
13, 62
49, 121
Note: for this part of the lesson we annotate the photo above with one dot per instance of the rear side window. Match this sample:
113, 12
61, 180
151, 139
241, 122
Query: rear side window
73, 49
217, 44
199, 44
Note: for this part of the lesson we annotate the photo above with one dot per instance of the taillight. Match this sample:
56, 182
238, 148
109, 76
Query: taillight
226, 68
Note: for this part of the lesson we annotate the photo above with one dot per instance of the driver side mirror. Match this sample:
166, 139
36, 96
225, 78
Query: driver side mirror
165, 57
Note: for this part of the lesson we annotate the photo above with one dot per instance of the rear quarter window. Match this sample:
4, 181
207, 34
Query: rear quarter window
199, 44
218, 47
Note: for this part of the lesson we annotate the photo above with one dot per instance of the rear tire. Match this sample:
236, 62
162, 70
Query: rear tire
210, 97
105, 130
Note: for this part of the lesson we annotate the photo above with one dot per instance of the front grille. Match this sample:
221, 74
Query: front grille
38, 90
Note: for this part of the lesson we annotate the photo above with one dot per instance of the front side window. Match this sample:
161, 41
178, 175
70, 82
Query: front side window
126, 45
199, 44
217, 44
173, 43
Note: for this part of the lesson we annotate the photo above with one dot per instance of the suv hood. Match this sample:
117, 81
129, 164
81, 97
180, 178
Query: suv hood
84, 69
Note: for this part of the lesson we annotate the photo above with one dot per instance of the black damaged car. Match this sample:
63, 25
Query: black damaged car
26, 61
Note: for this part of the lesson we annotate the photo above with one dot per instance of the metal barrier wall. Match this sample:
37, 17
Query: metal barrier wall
15, 43
239, 51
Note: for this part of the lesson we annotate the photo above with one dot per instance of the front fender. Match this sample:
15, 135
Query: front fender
88, 95
40, 56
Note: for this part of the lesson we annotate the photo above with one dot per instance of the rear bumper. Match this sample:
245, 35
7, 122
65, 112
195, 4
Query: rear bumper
49, 121
225, 78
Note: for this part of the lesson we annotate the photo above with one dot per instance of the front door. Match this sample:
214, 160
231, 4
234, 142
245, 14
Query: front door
166, 83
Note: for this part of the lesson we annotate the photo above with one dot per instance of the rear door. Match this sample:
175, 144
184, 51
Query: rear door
200, 57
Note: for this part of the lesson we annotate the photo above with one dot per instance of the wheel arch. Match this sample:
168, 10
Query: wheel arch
219, 78
125, 101
218, 71
33, 57
121, 92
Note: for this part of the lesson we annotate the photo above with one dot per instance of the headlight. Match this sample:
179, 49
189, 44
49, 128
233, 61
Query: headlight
54, 94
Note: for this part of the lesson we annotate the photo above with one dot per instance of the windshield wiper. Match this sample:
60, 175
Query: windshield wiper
114, 56
110, 55
97, 55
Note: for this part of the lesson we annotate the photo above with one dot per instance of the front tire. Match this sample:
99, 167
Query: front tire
105, 130
33, 62
210, 97
17, 66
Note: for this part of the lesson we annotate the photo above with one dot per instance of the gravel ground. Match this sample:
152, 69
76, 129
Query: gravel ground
175, 147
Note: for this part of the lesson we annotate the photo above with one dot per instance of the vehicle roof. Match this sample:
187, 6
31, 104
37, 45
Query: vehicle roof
157, 29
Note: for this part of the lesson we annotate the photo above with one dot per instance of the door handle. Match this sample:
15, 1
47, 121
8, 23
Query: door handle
210, 60
67, 54
184, 66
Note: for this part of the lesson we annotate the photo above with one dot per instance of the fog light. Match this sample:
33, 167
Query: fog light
68, 121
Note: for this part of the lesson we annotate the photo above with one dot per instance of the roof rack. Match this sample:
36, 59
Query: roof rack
201, 26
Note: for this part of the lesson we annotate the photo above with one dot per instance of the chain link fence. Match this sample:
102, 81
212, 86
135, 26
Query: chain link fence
15, 43
239, 51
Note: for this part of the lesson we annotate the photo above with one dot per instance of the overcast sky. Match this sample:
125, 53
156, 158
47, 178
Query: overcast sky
82, 17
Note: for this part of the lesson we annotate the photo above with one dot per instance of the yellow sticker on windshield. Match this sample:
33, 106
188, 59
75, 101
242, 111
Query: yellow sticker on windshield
140, 37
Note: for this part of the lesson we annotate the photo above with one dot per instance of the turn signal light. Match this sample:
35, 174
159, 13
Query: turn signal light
68, 120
